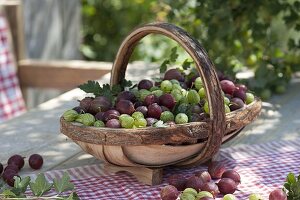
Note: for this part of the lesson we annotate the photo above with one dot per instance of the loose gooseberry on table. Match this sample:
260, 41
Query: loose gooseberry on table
278, 194
232, 174
229, 197
204, 176
15, 163
227, 186
211, 187
17, 160
201, 183
35, 161
255, 196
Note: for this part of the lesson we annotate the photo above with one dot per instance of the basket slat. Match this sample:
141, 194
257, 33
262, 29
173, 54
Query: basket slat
179, 134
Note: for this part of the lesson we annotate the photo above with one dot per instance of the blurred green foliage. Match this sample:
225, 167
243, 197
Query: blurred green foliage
238, 34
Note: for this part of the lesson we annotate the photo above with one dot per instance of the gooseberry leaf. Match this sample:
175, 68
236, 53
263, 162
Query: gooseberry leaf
106, 91
126, 83
163, 66
63, 184
186, 64
297, 27
116, 89
291, 178
287, 186
292, 186
21, 183
8, 194
174, 55
40, 186
91, 87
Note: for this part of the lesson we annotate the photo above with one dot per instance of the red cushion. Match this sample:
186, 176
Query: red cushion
11, 100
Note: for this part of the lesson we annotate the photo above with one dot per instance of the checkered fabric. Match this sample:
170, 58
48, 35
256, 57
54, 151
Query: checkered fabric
263, 168
11, 100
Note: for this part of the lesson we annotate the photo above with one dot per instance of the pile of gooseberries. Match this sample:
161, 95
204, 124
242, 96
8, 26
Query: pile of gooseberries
217, 181
15, 163
176, 99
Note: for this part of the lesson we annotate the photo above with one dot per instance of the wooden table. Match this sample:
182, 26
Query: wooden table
37, 131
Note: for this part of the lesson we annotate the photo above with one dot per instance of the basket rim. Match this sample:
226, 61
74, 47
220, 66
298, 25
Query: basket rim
177, 134
175, 125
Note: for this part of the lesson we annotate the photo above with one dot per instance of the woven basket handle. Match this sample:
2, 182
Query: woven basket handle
203, 64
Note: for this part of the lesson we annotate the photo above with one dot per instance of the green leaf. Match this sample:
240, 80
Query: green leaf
291, 178
163, 66
8, 194
17, 192
105, 91
73, 196
295, 187
297, 27
174, 54
40, 186
91, 87
21, 184
17, 181
63, 184
116, 89
292, 43
186, 64
287, 186
126, 83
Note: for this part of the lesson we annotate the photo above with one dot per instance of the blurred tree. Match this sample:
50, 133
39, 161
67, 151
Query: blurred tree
238, 34
107, 22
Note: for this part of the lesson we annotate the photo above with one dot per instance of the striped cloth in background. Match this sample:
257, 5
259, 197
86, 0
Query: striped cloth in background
11, 100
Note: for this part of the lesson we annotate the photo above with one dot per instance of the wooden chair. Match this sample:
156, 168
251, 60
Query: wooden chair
62, 75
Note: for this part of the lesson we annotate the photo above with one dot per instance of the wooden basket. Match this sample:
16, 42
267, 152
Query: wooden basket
181, 145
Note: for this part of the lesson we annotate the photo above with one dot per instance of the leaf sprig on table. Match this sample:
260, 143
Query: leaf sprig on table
39, 188
292, 186
106, 90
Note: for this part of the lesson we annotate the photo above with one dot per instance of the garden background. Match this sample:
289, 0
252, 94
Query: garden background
239, 35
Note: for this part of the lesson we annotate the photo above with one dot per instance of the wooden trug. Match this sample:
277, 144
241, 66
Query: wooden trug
140, 151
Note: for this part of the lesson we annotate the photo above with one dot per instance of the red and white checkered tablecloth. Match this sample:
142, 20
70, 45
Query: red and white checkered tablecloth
262, 167
11, 100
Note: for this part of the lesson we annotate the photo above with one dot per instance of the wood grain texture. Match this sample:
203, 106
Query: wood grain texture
161, 155
203, 64
13, 11
94, 149
142, 136
192, 161
149, 176
116, 156
142, 156
67, 74
237, 119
